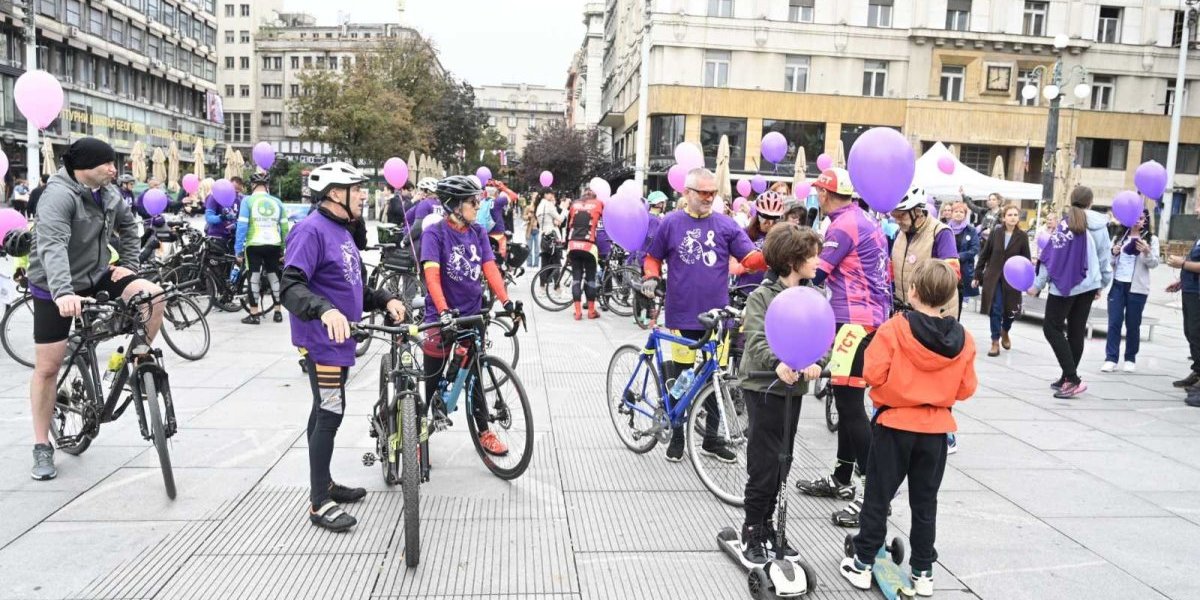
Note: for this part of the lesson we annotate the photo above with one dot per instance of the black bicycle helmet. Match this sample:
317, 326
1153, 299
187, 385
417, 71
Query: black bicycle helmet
18, 242
260, 179
452, 190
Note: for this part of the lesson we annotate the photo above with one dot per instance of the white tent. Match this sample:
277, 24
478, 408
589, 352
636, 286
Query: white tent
974, 184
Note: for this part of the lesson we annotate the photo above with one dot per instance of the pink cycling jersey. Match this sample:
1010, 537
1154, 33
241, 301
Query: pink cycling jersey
855, 258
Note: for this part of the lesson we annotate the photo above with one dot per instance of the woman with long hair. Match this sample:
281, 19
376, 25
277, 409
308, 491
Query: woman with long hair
1078, 266
1134, 252
967, 239
1001, 301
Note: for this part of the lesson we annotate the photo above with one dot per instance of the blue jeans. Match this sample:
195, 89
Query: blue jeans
1124, 307
999, 319
535, 257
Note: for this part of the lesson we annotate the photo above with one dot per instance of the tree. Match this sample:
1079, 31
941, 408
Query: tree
459, 124
574, 156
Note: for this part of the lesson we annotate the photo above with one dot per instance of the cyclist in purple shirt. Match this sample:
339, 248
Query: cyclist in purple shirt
221, 221
324, 292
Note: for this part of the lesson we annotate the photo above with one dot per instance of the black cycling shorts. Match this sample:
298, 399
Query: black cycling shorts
49, 326
263, 257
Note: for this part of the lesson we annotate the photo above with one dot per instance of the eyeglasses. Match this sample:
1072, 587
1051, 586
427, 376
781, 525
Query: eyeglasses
704, 193
472, 202
763, 217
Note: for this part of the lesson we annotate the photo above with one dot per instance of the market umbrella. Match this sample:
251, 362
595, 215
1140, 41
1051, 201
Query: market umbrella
48, 167
198, 160
241, 162
229, 162
840, 159
800, 174
412, 162
998, 168
172, 165
138, 158
160, 164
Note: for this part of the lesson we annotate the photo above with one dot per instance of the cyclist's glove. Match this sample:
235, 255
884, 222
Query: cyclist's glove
649, 286
446, 319
512, 307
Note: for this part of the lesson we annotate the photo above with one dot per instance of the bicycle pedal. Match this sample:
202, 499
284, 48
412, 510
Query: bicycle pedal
368, 459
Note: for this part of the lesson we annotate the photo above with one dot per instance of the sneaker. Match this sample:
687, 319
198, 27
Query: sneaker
251, 320
1057, 385
345, 495
1070, 390
675, 450
923, 582
331, 516
826, 487
492, 444
858, 574
1129, 366
718, 450
951, 443
848, 516
1193, 399
772, 536
43, 463
1108, 366
1192, 379
278, 318
753, 548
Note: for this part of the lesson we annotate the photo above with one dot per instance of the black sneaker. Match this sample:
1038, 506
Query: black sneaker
346, 495
718, 450
1193, 399
251, 320
772, 538
826, 487
1057, 385
1192, 379
753, 549
278, 318
848, 516
675, 450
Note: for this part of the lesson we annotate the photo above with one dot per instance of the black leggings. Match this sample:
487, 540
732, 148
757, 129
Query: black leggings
673, 370
328, 385
1065, 328
434, 367
854, 431
772, 434
583, 265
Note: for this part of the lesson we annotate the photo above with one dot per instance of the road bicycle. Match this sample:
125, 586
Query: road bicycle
205, 271
16, 327
402, 421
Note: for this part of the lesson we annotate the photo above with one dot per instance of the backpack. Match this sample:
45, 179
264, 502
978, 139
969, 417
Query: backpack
484, 217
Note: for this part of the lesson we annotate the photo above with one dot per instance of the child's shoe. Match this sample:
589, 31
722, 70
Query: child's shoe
923, 582
772, 539
753, 549
858, 574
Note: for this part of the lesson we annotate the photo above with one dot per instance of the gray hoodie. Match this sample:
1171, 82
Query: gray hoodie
71, 236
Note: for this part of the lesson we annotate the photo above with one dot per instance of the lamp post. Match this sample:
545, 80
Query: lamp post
1164, 226
1052, 91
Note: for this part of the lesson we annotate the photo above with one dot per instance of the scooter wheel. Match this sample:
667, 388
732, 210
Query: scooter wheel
898, 550
760, 584
810, 578
848, 545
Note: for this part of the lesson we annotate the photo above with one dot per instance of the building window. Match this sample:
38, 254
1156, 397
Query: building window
294, 119
228, 36
874, 77
716, 68
245, 37
976, 157
1169, 99
229, 90
1103, 92
711, 130
512, 122
952, 83
1026, 77
273, 119
244, 62
245, 10
295, 61
272, 63
720, 8
958, 15
229, 10
1187, 160
272, 90
491, 121
229, 60
116, 31
137, 38
1177, 30
879, 13
308, 62
320, 62
74, 13
799, 134
666, 132
1095, 153
795, 74
1035, 17
294, 90
96, 22
512, 140
48, 8
800, 11
237, 128
245, 91
333, 62
1108, 31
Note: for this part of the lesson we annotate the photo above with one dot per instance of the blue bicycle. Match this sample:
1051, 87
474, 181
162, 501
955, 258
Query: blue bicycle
646, 407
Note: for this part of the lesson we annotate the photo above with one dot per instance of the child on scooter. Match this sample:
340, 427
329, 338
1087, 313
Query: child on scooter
919, 365
791, 254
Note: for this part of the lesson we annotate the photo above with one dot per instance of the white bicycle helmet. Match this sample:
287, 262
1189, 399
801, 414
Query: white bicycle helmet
334, 174
428, 184
915, 199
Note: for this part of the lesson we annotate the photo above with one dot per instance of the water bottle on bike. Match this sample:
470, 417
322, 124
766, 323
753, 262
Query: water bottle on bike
234, 273
682, 384
450, 396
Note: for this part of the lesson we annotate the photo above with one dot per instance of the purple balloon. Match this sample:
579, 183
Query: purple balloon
743, 187
758, 183
1043, 238
799, 326
11, 219
395, 171
677, 177
774, 147
626, 220
224, 193
191, 183
484, 174
824, 161
39, 97
882, 166
1151, 179
264, 155
546, 179
1127, 208
1018, 272
155, 201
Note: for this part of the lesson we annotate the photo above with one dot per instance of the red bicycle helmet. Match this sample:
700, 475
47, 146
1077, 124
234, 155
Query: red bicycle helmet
770, 203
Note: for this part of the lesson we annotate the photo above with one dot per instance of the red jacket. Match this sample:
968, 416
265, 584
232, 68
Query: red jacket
582, 222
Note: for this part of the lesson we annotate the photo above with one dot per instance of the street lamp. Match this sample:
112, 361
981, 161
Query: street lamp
1053, 93
1164, 227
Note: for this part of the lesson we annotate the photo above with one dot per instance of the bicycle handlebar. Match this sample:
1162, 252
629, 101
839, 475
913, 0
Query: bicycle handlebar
711, 320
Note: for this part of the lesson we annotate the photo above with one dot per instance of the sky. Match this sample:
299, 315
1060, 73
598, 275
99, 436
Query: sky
482, 41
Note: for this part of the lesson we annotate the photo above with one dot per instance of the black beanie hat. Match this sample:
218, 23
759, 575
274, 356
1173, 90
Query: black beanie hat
88, 153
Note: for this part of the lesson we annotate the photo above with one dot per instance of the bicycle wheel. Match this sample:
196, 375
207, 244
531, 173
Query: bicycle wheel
633, 381
551, 288
190, 280
726, 480
508, 416
16, 331
385, 415
150, 395
362, 347
75, 405
410, 477
825, 392
619, 287
185, 328
496, 343
224, 294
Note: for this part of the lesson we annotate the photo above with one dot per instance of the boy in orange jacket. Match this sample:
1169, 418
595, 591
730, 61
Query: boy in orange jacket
918, 366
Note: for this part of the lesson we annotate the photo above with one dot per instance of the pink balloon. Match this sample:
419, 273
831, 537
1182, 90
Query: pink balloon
395, 171
802, 190
264, 155
743, 187
224, 192
737, 204
946, 165
677, 177
155, 201
546, 179
601, 188
718, 205
11, 219
3, 164
39, 97
824, 161
689, 156
191, 183
626, 220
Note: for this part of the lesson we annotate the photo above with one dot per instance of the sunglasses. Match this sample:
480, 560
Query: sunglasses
471, 202
763, 217
704, 193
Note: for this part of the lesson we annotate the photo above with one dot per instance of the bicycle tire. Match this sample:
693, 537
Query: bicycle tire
150, 394
726, 481
176, 318
547, 280
222, 293
70, 401
618, 383
198, 291
14, 319
410, 476
620, 285
362, 347
487, 367
386, 416
831, 414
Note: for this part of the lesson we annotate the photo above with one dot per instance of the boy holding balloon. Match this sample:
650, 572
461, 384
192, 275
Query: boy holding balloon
920, 364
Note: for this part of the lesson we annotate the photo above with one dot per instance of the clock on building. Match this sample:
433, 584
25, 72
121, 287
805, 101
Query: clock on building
999, 78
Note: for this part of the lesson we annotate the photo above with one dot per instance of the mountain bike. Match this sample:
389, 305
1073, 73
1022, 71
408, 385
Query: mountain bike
86, 397
16, 328
397, 272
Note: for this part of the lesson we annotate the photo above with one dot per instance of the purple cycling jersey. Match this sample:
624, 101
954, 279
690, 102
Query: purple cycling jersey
460, 256
855, 258
325, 252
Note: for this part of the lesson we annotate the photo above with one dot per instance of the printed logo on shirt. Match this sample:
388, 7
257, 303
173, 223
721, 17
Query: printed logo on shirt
464, 263
351, 268
691, 250
266, 209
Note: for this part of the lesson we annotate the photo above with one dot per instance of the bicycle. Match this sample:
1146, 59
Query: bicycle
401, 422
644, 413
82, 401
551, 286
16, 327
396, 272
208, 276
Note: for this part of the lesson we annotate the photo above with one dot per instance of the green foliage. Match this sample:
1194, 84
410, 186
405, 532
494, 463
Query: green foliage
574, 156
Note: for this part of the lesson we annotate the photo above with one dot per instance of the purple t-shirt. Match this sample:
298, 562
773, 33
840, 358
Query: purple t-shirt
604, 243
498, 205
423, 209
461, 256
325, 252
696, 252
227, 227
748, 279
944, 245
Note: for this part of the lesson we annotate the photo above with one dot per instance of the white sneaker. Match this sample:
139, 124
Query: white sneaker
858, 574
951, 443
923, 582
1108, 366
1129, 367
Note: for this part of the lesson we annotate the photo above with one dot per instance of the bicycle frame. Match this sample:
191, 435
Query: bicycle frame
675, 410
